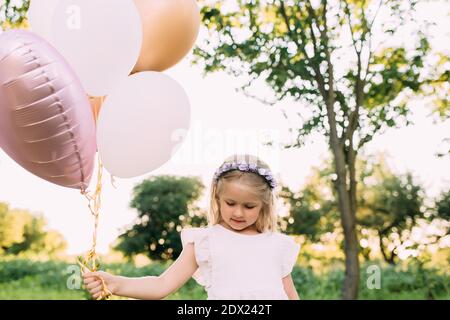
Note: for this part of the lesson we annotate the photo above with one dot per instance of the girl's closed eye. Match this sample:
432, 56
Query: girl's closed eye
231, 204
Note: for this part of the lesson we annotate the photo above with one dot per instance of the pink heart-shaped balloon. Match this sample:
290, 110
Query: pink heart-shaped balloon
46, 124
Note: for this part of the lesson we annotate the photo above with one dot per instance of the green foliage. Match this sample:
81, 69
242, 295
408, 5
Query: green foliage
49, 273
25, 279
431, 282
393, 203
293, 47
443, 206
313, 210
389, 207
165, 204
11, 228
396, 283
303, 218
33, 234
22, 232
13, 14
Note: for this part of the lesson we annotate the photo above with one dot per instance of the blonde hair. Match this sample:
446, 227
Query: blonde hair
267, 219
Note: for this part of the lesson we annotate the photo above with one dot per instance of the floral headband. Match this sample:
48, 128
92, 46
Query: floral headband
245, 167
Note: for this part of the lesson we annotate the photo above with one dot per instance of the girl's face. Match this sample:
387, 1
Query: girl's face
239, 208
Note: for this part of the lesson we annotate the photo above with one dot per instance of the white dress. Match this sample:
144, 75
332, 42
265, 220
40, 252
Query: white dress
235, 266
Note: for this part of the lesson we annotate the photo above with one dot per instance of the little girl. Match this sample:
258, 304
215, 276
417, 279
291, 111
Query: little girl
239, 256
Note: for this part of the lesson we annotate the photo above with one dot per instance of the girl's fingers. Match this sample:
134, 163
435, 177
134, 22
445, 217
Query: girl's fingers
96, 290
94, 284
87, 276
89, 280
97, 295
95, 274
90, 274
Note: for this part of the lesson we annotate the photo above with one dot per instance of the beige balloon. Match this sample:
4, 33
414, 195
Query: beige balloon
170, 28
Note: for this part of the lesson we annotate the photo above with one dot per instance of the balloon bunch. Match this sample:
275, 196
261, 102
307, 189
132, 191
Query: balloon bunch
88, 78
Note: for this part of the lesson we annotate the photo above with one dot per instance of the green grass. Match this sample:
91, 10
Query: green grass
26, 279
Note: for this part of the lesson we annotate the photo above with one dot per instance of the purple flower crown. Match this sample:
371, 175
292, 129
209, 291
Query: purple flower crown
246, 167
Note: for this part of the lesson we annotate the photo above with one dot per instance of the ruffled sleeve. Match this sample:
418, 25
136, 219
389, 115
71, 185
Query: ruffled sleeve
200, 238
289, 250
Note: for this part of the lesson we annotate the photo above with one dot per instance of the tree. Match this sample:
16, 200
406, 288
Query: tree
297, 48
24, 232
312, 210
33, 232
11, 228
392, 206
165, 204
441, 214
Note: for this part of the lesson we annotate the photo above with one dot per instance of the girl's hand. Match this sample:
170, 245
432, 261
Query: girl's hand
93, 283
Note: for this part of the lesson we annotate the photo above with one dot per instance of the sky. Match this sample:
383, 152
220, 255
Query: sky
225, 121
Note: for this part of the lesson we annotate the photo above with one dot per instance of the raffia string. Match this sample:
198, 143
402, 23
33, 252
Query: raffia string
90, 261
102, 99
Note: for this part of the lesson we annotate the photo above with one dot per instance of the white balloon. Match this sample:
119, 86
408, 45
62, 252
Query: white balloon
141, 123
101, 39
40, 17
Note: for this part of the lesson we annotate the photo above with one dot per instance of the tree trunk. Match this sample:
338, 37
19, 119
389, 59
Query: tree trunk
348, 216
352, 263
383, 252
389, 259
351, 280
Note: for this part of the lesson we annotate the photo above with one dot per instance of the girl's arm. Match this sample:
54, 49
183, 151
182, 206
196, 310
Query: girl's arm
290, 288
152, 287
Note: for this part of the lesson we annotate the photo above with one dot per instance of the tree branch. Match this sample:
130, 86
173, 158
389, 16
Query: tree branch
369, 30
317, 75
331, 96
347, 13
313, 36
